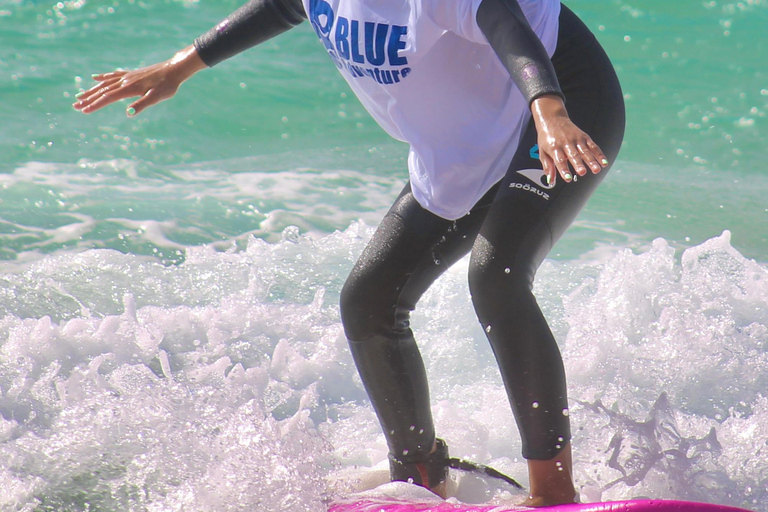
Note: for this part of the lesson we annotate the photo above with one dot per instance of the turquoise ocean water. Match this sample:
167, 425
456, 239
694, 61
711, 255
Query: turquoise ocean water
169, 335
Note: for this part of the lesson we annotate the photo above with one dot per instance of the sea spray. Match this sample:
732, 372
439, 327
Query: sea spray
224, 382
126, 373
666, 358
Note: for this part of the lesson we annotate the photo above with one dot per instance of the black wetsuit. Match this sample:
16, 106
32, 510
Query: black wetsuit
508, 232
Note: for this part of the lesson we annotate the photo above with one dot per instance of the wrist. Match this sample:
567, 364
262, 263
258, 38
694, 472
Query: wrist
546, 107
186, 63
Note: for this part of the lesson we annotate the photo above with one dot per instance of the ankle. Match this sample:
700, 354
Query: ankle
430, 471
553, 495
547, 501
551, 481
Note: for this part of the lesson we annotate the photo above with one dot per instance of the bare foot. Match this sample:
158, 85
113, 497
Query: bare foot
539, 502
551, 480
441, 490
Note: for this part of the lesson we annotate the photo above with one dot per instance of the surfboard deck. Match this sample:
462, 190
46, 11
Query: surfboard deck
390, 505
400, 497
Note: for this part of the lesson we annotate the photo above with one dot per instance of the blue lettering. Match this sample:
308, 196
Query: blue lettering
356, 42
356, 70
342, 33
335, 58
374, 49
342, 39
396, 44
318, 9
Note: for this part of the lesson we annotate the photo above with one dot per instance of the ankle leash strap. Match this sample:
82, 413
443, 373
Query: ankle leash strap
473, 467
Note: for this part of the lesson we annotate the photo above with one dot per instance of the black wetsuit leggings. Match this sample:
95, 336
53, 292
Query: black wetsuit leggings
509, 232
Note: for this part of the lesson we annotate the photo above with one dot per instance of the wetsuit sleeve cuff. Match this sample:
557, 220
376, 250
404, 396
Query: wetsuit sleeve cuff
521, 52
250, 25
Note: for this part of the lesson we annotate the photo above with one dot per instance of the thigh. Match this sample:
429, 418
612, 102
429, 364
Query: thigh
410, 249
528, 215
454, 243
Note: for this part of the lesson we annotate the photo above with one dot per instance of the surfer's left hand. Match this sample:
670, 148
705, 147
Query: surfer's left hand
561, 142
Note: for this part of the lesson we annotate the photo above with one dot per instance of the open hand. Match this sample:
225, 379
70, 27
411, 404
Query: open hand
152, 84
561, 142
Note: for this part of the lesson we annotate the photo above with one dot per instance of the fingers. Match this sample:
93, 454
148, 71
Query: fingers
149, 99
101, 77
151, 84
593, 155
87, 98
94, 98
561, 164
550, 171
585, 154
111, 87
588, 158
577, 156
101, 98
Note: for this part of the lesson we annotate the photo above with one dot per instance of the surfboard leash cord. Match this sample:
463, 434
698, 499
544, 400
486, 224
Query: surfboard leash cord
473, 467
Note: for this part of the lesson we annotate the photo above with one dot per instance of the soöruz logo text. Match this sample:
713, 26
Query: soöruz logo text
537, 177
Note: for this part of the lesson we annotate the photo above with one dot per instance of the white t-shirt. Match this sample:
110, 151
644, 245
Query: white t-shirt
427, 74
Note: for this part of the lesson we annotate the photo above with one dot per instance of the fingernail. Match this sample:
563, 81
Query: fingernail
549, 179
94, 76
604, 161
131, 111
567, 176
79, 95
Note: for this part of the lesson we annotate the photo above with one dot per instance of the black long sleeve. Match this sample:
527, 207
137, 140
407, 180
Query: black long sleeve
251, 24
520, 50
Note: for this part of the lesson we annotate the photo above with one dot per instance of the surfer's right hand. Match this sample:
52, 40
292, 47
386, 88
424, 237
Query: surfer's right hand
152, 84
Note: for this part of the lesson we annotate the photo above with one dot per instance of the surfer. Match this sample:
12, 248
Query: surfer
513, 114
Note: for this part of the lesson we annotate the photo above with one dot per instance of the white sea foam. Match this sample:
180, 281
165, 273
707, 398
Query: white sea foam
140, 208
224, 383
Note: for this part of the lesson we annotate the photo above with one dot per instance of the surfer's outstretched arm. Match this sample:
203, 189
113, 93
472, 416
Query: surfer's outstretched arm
250, 25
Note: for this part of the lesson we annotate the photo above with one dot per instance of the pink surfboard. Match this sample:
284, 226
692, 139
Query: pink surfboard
395, 505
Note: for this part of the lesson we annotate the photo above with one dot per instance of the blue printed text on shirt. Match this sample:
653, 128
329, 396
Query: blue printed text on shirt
361, 48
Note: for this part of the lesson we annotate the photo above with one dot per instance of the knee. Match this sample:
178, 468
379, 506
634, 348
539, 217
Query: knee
367, 309
364, 308
497, 287
353, 310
